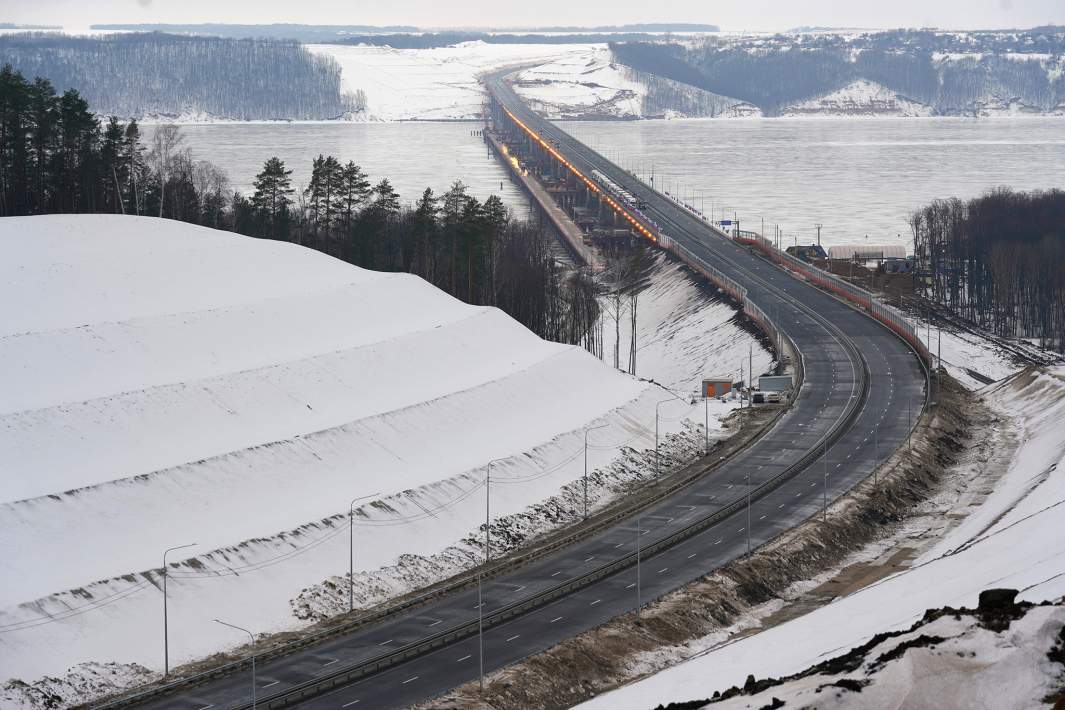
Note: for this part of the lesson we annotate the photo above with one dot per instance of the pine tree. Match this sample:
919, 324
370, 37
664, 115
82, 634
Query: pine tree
271, 200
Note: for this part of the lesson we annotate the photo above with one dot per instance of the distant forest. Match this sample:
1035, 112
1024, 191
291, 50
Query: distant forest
136, 75
431, 40
58, 157
953, 74
997, 260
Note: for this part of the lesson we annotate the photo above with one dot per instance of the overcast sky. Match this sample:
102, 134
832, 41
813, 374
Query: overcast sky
729, 14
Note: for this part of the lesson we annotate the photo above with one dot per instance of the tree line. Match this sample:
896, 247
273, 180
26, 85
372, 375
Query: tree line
58, 157
996, 260
140, 74
953, 74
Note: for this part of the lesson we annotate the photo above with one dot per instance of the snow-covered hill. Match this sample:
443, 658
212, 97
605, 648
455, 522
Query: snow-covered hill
168, 384
859, 98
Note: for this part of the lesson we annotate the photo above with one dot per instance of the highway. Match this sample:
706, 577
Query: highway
863, 387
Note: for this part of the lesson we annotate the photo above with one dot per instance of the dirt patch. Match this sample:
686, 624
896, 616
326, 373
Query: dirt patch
624, 649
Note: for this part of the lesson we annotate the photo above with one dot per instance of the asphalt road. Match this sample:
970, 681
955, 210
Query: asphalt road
838, 345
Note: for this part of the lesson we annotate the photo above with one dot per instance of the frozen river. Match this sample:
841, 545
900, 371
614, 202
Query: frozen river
857, 177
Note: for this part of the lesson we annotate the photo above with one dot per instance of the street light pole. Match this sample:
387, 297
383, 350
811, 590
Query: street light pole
252, 637
586, 430
351, 549
487, 511
658, 459
824, 495
166, 630
637, 568
480, 629
748, 515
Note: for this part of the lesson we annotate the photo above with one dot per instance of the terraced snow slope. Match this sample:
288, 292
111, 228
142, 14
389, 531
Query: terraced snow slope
167, 384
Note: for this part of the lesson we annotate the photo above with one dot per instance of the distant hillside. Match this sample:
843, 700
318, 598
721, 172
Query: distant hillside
137, 75
949, 73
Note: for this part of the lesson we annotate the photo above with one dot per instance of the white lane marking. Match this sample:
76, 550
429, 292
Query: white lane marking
590, 558
631, 586
780, 506
741, 529
798, 494
271, 684
207, 706
618, 545
557, 618
718, 542
595, 602
464, 658
385, 643
410, 680
664, 569
329, 663
349, 704
513, 637
557, 573
762, 518
691, 555
438, 621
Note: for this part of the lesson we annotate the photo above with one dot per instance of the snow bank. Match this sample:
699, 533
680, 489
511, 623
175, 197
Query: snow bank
169, 384
1013, 540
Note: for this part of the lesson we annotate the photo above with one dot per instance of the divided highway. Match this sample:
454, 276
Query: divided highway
863, 388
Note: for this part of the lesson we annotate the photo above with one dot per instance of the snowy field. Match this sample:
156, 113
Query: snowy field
432, 84
1012, 540
168, 384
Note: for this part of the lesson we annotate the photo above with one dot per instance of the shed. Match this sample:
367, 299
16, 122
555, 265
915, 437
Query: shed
867, 252
775, 383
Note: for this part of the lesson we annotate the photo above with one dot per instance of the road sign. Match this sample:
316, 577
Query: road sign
725, 222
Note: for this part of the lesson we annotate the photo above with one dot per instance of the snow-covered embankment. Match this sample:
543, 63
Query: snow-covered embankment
167, 384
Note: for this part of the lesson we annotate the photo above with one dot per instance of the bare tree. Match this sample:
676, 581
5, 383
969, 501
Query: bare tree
165, 142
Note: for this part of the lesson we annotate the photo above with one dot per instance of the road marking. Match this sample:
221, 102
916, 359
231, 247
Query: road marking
664, 569
590, 558
718, 542
329, 663
631, 586
798, 494
207, 706
691, 555
464, 658
762, 518
513, 637
349, 704
780, 506
741, 529
410, 680
595, 602
385, 643
271, 684
438, 621
618, 545
557, 618
557, 573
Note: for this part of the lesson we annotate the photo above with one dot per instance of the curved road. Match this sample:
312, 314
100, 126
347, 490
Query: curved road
863, 386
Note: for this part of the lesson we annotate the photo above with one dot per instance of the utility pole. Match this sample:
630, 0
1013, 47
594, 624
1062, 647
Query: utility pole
637, 568
706, 424
750, 373
586, 430
487, 516
166, 631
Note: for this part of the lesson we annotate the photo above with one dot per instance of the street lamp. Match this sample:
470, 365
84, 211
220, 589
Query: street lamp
487, 516
166, 632
252, 637
658, 459
351, 549
586, 430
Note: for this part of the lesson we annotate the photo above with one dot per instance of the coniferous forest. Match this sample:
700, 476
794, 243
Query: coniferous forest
58, 157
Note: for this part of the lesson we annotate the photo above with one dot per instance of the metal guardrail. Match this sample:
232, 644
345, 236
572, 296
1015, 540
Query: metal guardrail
345, 676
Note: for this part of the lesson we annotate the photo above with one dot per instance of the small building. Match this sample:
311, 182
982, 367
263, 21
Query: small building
775, 383
866, 252
716, 386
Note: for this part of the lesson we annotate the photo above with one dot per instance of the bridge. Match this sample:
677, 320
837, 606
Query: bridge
864, 384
